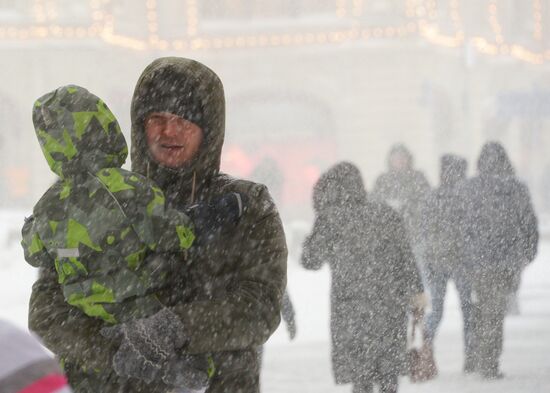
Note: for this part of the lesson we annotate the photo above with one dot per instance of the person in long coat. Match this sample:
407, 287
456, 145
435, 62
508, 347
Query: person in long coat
501, 239
375, 281
226, 301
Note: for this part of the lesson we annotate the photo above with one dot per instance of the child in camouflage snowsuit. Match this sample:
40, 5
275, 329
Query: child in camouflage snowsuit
102, 227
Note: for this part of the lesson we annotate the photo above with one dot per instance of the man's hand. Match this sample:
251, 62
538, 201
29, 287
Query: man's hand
146, 344
129, 362
188, 372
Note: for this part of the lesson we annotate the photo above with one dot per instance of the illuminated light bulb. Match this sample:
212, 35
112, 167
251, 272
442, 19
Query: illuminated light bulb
163, 44
42, 32
365, 34
354, 34
80, 32
178, 45
298, 39
378, 32
240, 42
310, 38
57, 31
251, 41
275, 40
228, 42
390, 32
321, 38
341, 8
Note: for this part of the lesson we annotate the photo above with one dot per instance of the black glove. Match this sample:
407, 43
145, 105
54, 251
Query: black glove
147, 344
190, 372
218, 216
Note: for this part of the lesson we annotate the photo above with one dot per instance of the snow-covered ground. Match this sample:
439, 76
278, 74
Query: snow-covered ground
304, 364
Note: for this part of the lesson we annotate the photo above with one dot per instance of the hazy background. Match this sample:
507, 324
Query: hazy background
307, 82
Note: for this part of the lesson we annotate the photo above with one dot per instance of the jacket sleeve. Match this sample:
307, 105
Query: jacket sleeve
528, 225
319, 246
250, 311
65, 330
288, 310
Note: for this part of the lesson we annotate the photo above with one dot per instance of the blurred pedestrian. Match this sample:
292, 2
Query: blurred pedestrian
501, 239
25, 366
375, 281
404, 188
443, 254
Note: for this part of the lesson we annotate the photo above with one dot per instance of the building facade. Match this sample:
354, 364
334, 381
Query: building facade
308, 82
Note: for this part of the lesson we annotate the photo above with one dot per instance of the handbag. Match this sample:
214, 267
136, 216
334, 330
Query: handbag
420, 361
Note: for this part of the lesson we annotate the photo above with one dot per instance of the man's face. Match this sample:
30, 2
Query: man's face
399, 162
172, 140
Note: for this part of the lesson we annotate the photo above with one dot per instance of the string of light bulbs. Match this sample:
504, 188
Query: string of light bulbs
421, 20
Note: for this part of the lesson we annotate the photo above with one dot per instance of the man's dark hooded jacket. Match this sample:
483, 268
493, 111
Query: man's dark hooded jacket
374, 275
500, 226
229, 296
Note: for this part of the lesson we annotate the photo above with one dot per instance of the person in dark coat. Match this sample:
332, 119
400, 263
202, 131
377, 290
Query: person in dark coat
444, 259
226, 299
501, 239
375, 281
403, 188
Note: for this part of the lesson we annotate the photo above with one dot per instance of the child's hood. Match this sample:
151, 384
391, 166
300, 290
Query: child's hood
78, 132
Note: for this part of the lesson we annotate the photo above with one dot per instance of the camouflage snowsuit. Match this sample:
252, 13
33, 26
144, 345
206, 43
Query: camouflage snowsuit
102, 227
